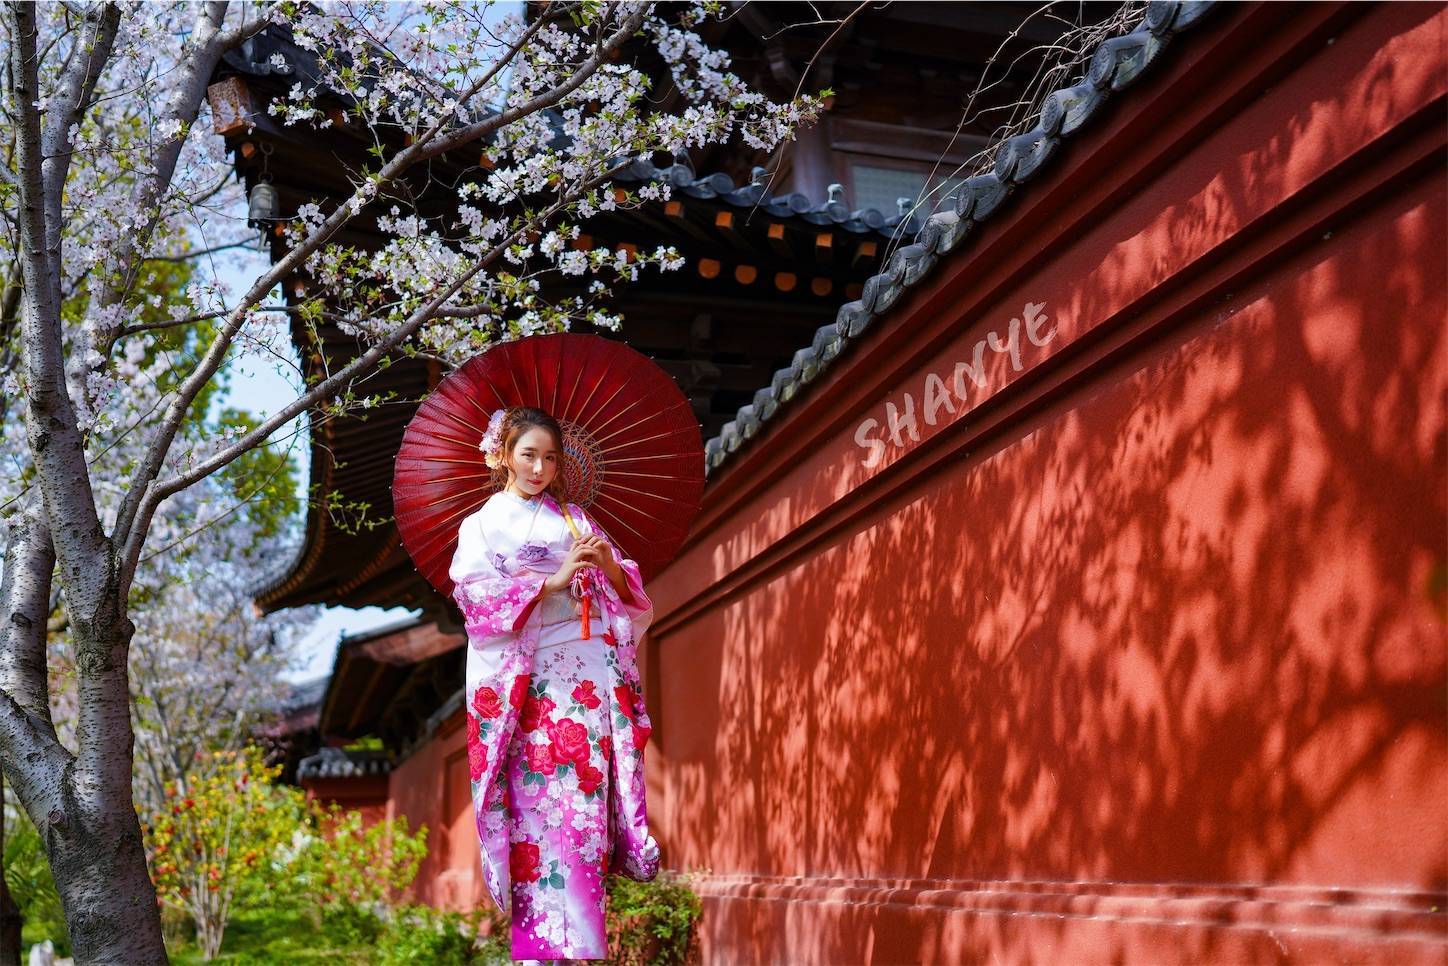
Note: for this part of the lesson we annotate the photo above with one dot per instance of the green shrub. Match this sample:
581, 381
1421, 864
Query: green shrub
234, 841
279, 934
31, 885
211, 844
348, 867
652, 922
421, 934
348, 924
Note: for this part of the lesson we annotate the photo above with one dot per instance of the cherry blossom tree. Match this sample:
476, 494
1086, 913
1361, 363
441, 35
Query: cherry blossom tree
109, 174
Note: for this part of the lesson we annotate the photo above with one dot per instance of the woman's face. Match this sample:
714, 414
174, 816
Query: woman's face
534, 461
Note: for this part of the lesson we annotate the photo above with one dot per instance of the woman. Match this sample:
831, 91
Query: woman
556, 722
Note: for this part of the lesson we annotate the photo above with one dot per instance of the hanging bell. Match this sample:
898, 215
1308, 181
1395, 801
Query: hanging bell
264, 206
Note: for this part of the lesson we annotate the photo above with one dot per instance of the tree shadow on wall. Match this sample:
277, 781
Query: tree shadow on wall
1178, 628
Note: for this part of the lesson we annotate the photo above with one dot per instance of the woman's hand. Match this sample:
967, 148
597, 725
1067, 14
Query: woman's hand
587, 551
609, 564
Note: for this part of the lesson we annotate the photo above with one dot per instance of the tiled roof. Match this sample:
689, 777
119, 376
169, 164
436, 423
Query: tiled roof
1116, 64
255, 58
832, 211
306, 694
338, 763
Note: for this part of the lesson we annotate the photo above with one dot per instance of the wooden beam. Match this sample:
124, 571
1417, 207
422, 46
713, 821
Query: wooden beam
779, 241
824, 247
360, 704
724, 224
864, 251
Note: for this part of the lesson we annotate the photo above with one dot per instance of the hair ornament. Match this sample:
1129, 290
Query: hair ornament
492, 441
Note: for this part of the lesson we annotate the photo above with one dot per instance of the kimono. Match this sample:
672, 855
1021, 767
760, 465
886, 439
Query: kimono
556, 726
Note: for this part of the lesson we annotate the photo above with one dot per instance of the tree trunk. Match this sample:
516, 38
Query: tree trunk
94, 843
110, 903
81, 804
10, 921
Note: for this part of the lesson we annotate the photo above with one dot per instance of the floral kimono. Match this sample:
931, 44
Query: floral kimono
556, 726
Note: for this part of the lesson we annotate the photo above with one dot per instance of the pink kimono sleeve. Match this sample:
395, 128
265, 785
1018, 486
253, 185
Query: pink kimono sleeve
640, 609
495, 605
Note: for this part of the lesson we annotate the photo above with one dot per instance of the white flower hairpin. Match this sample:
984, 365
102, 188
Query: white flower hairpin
491, 444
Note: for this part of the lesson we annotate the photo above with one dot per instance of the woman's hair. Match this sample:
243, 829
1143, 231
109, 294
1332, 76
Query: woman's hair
517, 421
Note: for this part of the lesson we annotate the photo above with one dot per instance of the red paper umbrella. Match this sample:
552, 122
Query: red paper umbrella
632, 451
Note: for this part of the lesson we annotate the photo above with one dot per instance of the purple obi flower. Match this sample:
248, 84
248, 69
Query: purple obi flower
532, 552
500, 563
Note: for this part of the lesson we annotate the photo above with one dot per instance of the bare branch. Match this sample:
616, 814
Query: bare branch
202, 317
200, 252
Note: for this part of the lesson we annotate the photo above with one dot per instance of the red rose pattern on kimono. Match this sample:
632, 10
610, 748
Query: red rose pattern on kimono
558, 799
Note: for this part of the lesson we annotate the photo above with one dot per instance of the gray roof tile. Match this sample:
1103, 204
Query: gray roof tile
832, 212
1115, 64
339, 763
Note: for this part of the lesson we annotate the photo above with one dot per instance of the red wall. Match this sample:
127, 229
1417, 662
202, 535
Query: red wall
1140, 653
367, 795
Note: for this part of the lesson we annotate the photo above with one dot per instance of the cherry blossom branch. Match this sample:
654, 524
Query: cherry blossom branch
78, 84
158, 490
242, 32
126, 532
200, 317
213, 521
543, 101
204, 49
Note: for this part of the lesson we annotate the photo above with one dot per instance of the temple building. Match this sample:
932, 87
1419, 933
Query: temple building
1070, 581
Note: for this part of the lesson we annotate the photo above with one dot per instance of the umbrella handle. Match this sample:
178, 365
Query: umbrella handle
585, 628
